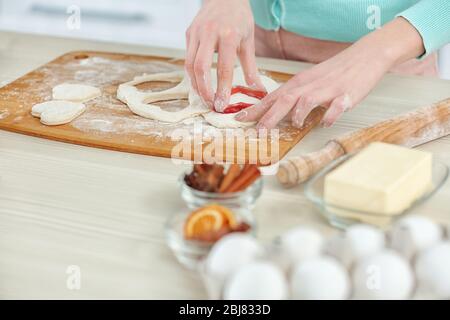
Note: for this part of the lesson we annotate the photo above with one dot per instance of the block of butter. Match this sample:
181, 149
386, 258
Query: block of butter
382, 178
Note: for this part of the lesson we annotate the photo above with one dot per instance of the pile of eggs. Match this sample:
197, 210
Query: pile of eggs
410, 261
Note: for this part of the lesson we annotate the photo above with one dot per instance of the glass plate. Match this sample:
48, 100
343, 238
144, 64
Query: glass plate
343, 217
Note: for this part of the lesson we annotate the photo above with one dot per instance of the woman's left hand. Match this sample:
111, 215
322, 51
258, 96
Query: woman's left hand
337, 84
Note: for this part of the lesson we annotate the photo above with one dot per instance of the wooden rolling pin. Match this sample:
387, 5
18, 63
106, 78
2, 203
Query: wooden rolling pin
411, 129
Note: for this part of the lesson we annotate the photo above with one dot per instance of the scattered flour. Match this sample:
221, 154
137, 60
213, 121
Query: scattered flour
106, 115
4, 114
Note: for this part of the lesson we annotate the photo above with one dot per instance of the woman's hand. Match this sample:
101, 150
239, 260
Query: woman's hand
228, 28
341, 82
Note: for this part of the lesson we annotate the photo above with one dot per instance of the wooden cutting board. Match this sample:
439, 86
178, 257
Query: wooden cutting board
107, 122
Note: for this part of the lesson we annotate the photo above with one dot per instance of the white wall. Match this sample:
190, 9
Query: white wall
151, 22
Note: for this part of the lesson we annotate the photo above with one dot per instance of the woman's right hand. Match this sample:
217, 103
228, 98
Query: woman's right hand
228, 28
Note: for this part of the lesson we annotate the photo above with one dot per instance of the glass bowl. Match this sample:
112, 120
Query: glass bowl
233, 200
341, 217
191, 252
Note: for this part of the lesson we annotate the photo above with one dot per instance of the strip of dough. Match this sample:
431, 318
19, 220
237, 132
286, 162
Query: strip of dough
140, 102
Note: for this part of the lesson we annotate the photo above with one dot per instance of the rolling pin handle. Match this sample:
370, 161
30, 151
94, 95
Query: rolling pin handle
297, 170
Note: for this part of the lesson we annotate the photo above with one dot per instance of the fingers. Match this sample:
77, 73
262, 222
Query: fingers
252, 113
192, 44
255, 112
248, 63
298, 104
302, 109
202, 67
278, 111
227, 56
336, 109
310, 100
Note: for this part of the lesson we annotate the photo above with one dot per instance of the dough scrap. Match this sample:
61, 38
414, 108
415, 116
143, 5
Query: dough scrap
57, 112
140, 102
75, 92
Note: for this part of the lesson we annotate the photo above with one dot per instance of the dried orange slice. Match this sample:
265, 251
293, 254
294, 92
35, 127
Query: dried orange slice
208, 220
227, 214
204, 220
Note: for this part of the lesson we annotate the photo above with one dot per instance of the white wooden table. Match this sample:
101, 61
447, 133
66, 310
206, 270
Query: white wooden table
103, 211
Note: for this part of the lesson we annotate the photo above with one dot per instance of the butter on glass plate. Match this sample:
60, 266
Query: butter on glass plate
374, 212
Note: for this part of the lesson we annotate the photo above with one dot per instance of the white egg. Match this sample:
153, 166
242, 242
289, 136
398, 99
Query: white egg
357, 242
384, 275
256, 281
230, 253
433, 270
299, 244
413, 234
320, 278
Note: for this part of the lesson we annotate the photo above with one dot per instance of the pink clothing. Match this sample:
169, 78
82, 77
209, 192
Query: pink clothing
283, 44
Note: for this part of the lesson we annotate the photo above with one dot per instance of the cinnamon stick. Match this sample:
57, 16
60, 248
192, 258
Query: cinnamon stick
250, 181
248, 174
231, 174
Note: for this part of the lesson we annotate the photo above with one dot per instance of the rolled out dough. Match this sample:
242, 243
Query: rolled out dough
57, 112
75, 92
141, 102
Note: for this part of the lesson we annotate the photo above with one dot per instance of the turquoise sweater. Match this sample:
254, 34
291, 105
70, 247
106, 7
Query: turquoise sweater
349, 20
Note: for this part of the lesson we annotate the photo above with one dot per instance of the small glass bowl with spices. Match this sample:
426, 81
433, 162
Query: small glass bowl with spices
235, 186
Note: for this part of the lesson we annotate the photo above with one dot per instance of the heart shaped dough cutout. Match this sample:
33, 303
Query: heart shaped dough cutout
57, 112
